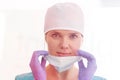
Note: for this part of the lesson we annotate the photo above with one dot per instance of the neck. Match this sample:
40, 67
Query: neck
65, 74
61, 75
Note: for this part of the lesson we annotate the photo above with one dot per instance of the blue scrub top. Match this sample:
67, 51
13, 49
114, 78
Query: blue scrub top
29, 76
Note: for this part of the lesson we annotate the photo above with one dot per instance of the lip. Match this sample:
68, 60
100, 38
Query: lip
63, 54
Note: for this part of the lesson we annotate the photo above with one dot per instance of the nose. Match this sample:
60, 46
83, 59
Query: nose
64, 43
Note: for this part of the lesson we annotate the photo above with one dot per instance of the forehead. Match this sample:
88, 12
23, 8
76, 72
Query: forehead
63, 32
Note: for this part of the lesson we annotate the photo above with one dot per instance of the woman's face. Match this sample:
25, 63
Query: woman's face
63, 42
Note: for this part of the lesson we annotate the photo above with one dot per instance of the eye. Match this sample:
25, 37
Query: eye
73, 36
55, 35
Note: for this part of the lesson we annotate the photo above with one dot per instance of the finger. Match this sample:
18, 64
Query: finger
35, 56
40, 52
81, 65
86, 55
91, 61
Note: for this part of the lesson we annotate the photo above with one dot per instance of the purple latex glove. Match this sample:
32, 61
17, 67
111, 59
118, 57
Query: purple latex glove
86, 73
38, 69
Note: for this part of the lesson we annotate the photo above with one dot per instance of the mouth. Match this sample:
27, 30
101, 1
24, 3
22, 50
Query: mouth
63, 54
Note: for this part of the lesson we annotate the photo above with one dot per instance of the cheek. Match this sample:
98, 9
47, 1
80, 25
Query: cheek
52, 45
76, 46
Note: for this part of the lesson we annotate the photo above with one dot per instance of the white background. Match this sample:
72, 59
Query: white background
21, 32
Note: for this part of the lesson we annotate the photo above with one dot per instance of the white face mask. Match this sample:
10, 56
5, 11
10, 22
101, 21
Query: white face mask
62, 63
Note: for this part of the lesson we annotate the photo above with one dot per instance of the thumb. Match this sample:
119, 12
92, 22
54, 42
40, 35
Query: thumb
81, 64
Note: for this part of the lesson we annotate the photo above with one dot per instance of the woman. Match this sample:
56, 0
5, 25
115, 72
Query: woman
63, 29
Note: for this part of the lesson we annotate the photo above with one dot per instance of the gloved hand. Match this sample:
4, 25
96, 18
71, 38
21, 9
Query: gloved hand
38, 69
86, 73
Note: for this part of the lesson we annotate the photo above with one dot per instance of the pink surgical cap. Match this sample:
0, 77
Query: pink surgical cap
64, 16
